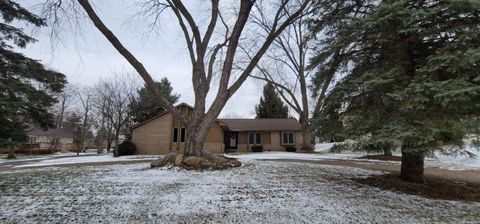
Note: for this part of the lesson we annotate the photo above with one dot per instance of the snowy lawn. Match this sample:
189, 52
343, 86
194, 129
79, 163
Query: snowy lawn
86, 159
450, 162
259, 191
23, 161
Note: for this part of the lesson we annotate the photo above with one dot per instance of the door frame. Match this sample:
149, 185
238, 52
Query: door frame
226, 137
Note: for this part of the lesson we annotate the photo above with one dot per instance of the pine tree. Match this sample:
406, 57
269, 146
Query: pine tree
146, 106
26, 86
271, 106
411, 73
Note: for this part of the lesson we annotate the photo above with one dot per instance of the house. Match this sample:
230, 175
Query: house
164, 133
40, 141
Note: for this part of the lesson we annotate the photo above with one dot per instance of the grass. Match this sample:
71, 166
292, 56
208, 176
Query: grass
260, 191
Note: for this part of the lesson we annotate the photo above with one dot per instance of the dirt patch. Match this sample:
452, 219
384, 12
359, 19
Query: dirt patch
382, 157
434, 188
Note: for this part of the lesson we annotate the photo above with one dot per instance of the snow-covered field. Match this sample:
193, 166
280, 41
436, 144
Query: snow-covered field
258, 192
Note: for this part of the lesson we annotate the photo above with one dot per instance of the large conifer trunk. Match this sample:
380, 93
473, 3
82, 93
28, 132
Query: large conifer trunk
412, 167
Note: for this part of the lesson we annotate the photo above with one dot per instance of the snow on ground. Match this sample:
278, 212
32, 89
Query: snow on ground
461, 162
258, 192
23, 157
451, 162
85, 159
323, 147
321, 153
290, 155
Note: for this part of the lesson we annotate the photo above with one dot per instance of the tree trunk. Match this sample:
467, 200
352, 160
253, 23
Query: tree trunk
387, 151
62, 111
412, 167
109, 141
307, 138
11, 151
115, 150
196, 133
109, 145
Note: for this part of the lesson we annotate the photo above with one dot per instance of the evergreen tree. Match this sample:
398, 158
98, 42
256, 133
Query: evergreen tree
271, 106
26, 86
147, 106
412, 74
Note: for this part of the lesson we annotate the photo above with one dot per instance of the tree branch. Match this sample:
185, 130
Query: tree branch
131, 59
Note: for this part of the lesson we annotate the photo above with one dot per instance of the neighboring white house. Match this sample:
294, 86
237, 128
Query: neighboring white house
52, 140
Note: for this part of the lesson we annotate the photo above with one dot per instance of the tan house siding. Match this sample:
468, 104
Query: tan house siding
242, 137
275, 141
266, 138
214, 141
298, 140
155, 136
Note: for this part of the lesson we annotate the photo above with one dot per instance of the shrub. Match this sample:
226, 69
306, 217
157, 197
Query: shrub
257, 148
340, 147
291, 149
476, 143
126, 148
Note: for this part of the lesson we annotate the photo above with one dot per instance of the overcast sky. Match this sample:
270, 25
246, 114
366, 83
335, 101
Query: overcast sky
85, 56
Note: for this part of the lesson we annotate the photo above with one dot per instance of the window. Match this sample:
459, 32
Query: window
250, 138
258, 138
287, 138
254, 138
182, 135
175, 134
33, 139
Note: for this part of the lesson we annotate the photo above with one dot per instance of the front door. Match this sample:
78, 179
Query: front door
231, 140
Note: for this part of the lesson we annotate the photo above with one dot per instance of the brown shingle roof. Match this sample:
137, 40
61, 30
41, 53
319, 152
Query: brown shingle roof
262, 124
286, 124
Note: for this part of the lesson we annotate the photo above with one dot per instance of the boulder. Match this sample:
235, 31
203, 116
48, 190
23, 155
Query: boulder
179, 159
206, 164
171, 157
208, 155
235, 163
159, 163
193, 161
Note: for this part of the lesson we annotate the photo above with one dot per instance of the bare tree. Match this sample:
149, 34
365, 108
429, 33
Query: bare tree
85, 97
65, 99
285, 66
101, 105
204, 55
114, 96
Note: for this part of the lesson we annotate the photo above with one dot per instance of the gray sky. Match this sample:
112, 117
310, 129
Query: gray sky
85, 56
